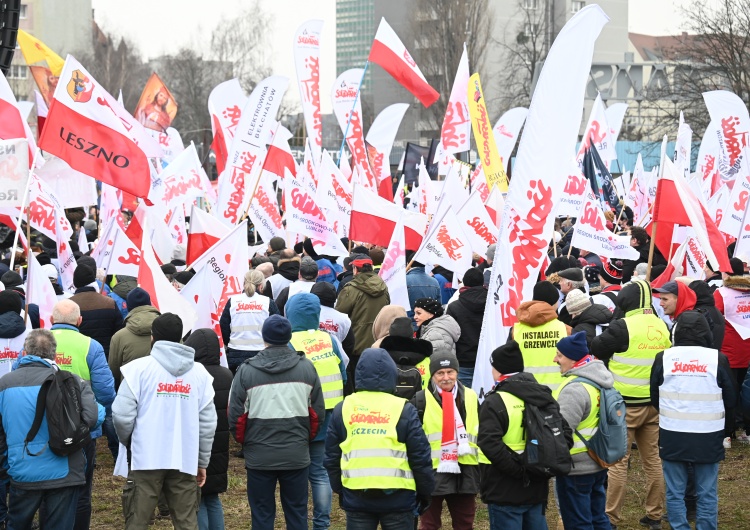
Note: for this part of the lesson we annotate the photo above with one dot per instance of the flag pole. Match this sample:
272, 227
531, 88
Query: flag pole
651, 252
354, 105
20, 214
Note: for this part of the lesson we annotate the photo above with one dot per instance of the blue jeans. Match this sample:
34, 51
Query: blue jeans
108, 429
83, 509
706, 488
261, 495
4, 488
210, 513
466, 375
388, 521
321, 487
60, 504
583, 499
524, 517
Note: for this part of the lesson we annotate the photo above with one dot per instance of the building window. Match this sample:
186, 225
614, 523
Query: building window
530, 29
17, 71
577, 5
530, 4
22, 13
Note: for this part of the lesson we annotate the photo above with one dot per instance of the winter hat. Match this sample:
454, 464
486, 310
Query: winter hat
138, 297
544, 291
473, 278
490, 254
10, 301
573, 274
308, 269
166, 327
611, 271
576, 301
307, 244
11, 279
50, 270
277, 331
326, 292
591, 273
183, 277
83, 276
88, 261
439, 361
430, 305
361, 249
574, 347
277, 243
168, 268
89, 225
401, 327
179, 253
738, 267
507, 359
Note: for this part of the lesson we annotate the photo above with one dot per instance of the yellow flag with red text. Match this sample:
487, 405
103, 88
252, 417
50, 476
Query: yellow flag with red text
492, 163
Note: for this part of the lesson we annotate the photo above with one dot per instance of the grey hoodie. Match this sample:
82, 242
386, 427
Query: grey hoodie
575, 405
177, 359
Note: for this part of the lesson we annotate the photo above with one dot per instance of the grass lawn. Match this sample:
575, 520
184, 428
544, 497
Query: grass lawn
734, 502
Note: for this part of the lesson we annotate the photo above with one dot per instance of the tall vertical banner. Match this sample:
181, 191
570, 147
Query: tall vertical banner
307, 64
393, 270
731, 220
538, 181
334, 195
455, 134
707, 165
506, 132
347, 106
730, 113
225, 104
494, 172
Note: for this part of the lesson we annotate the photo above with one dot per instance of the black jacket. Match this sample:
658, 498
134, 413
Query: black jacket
206, 346
406, 351
344, 278
628, 266
595, 315
468, 311
504, 481
706, 305
691, 329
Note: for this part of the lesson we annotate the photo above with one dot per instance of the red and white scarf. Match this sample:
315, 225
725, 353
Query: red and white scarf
455, 441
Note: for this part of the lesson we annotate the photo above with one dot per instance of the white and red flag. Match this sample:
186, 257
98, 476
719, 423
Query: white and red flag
66, 262
39, 291
682, 147
264, 210
170, 142
398, 198
44, 208
279, 157
597, 133
730, 114
124, 255
615, 114
14, 171
731, 220
379, 142
390, 53
374, 219
393, 270
334, 195
205, 231
477, 224
637, 196
225, 104
307, 65
93, 133
178, 226
455, 134
495, 204
72, 188
103, 249
479, 182
506, 132
446, 245
707, 165
180, 182
12, 123
41, 110
427, 204
573, 194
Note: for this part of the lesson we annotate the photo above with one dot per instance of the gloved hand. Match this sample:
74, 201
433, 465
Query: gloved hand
423, 502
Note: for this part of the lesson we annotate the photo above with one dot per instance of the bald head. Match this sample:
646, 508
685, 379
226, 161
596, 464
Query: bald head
66, 312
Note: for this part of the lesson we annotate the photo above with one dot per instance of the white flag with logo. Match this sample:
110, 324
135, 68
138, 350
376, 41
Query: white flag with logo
731, 220
334, 195
477, 224
393, 270
45, 209
264, 209
14, 170
446, 245
39, 291
66, 261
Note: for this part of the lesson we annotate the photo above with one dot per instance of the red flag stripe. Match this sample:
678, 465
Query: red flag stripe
377, 231
384, 56
278, 160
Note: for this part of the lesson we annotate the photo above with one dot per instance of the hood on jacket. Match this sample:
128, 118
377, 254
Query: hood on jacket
596, 371
535, 313
124, 285
376, 371
11, 325
635, 295
140, 319
738, 283
276, 359
474, 299
444, 322
206, 345
705, 298
176, 358
381, 327
524, 386
596, 314
30, 360
369, 283
406, 350
691, 329
686, 299
303, 311
289, 268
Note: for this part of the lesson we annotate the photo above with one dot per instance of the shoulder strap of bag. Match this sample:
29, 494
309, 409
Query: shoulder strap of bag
41, 402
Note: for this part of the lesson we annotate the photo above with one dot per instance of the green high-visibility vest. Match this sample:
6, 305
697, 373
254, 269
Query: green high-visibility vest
514, 437
631, 369
72, 350
433, 428
589, 425
539, 346
424, 368
318, 347
371, 456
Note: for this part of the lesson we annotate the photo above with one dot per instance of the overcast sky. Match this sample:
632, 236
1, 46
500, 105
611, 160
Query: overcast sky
176, 23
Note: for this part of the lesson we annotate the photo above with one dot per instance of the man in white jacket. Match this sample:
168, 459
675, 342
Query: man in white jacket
164, 414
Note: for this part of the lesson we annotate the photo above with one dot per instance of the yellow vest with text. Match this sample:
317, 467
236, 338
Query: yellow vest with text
433, 428
514, 437
631, 369
371, 456
590, 424
539, 346
72, 350
318, 347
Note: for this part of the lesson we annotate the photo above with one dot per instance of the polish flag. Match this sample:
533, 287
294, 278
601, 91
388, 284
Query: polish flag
205, 231
41, 111
65, 259
495, 204
164, 296
12, 124
96, 135
374, 219
379, 142
279, 157
39, 291
393, 270
390, 53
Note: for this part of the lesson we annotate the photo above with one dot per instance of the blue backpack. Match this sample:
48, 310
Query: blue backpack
609, 443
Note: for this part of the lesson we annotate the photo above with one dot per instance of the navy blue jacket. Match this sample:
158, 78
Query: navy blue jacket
376, 372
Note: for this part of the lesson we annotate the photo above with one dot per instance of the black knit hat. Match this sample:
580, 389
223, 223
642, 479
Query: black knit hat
138, 297
507, 359
545, 291
277, 243
11, 279
83, 276
167, 327
277, 331
10, 301
440, 361
430, 305
326, 292
183, 277
611, 271
473, 278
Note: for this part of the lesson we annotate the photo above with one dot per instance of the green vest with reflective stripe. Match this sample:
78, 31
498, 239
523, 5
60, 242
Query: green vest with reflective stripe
371, 456
318, 347
539, 346
433, 428
632, 368
589, 425
514, 437
72, 350
424, 368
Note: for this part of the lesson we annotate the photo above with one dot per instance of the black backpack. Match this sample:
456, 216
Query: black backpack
60, 397
408, 381
547, 453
